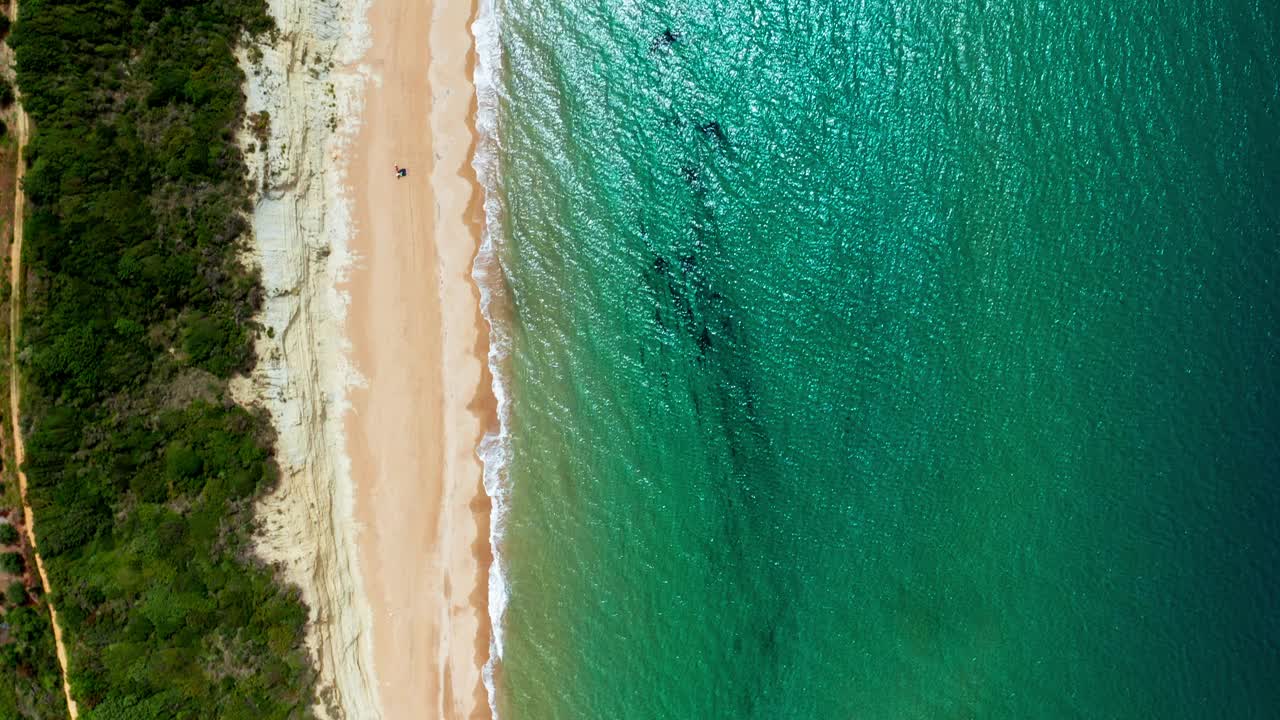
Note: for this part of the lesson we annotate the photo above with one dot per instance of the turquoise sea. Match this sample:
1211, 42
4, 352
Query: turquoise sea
880, 359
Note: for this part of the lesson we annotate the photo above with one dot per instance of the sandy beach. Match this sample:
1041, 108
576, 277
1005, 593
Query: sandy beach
418, 341
372, 362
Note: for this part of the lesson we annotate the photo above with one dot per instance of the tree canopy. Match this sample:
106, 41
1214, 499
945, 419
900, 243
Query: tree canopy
141, 469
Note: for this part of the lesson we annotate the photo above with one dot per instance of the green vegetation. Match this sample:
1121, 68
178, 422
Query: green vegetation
32, 686
12, 563
30, 678
15, 594
141, 470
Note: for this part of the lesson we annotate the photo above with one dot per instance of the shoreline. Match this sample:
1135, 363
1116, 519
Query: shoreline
418, 338
486, 275
372, 360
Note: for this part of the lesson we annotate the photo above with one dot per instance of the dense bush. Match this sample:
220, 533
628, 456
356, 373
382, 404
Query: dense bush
141, 470
8, 534
12, 563
32, 688
15, 594
135, 187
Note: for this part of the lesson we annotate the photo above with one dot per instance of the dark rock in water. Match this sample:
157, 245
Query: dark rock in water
727, 328
713, 129
683, 306
690, 173
664, 41
660, 264
704, 341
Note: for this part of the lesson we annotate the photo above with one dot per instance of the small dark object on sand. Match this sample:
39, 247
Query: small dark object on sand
401, 172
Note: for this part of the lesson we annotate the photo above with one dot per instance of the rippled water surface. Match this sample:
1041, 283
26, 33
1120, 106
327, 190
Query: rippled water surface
890, 359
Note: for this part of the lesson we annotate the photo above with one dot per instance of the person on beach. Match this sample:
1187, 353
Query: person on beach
401, 172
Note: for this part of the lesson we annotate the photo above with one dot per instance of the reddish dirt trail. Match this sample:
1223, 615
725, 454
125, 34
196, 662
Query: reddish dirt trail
19, 448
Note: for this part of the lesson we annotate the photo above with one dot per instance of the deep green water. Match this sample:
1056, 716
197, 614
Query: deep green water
939, 382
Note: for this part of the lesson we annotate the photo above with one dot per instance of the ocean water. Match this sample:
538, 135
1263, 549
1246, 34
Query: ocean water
884, 359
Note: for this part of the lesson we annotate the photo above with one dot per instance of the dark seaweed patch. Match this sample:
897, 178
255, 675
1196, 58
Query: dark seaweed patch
712, 129
664, 40
704, 342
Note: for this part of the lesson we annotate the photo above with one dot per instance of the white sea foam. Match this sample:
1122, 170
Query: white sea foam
495, 448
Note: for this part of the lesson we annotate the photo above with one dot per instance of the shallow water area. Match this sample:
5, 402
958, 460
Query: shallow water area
884, 360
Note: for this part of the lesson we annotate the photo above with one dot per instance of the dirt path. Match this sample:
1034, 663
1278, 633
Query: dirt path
20, 132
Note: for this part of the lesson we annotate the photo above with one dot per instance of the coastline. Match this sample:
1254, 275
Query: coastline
486, 274
417, 336
372, 359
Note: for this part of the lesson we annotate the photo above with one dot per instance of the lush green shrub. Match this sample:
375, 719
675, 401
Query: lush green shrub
32, 688
12, 563
15, 594
181, 462
6, 92
8, 534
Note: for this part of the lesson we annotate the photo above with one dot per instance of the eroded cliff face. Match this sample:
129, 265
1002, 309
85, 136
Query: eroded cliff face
303, 92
